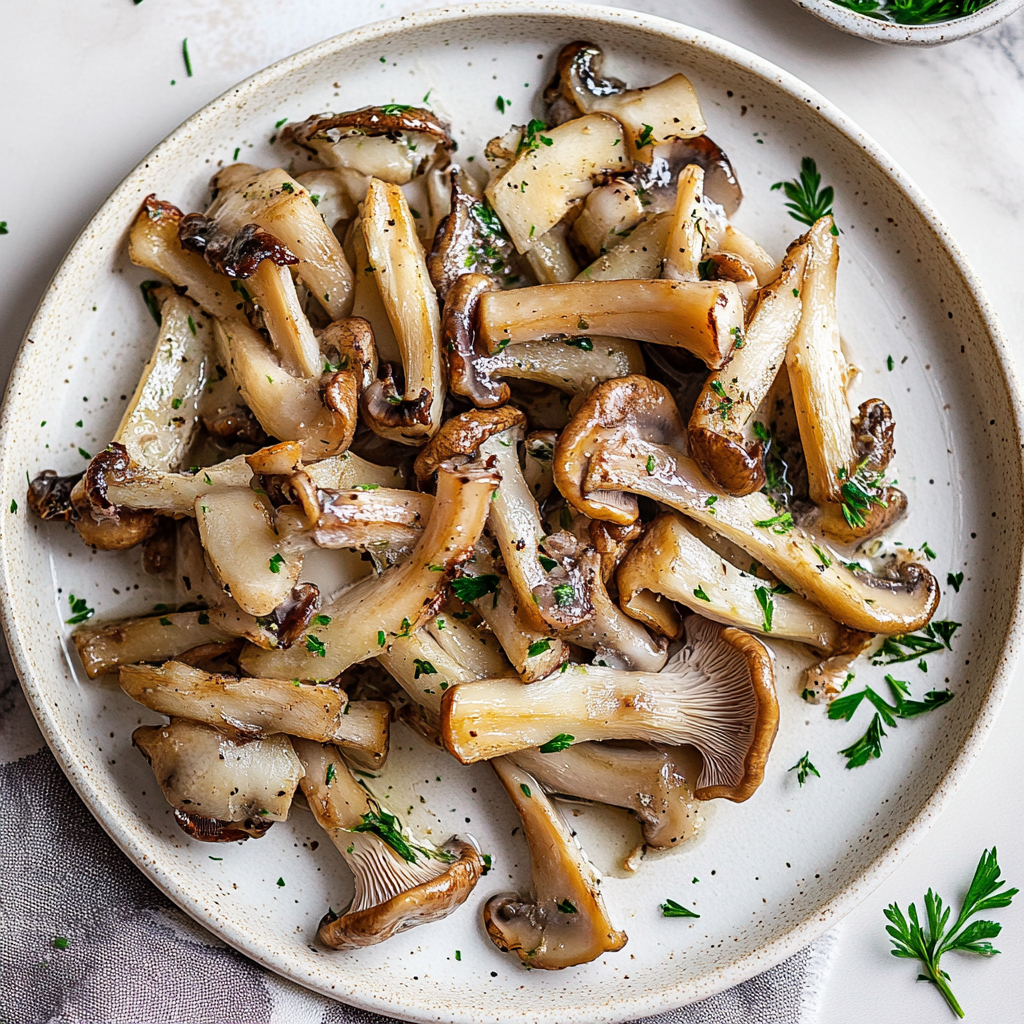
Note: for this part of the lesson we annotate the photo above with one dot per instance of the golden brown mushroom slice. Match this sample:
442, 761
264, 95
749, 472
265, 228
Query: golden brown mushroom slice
845, 460
671, 565
563, 922
400, 271
368, 616
401, 881
654, 783
281, 205
719, 433
393, 142
319, 412
651, 115
552, 594
616, 639
607, 449
153, 243
553, 169
703, 317
716, 694
254, 708
222, 789
534, 653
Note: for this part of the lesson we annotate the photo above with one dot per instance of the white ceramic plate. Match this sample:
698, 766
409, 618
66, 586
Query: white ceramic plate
911, 35
774, 872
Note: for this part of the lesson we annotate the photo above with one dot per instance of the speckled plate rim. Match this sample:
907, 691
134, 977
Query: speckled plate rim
910, 35
17, 620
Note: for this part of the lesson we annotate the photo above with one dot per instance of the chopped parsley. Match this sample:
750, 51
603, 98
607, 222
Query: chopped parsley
646, 137
911, 646
672, 909
423, 668
565, 907
472, 588
187, 59
767, 603
565, 594
331, 772
315, 646
557, 743
525, 788
276, 562
80, 611
804, 769
538, 647
321, 620
779, 524
952, 579
699, 593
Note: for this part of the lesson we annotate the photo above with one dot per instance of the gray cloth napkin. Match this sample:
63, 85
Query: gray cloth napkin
132, 957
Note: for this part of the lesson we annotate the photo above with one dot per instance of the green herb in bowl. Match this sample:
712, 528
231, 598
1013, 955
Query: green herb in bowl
914, 12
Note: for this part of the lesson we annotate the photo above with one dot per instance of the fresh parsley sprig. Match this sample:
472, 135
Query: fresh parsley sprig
936, 636
804, 769
928, 943
808, 202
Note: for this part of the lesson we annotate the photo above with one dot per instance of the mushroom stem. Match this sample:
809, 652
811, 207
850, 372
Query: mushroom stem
153, 243
703, 317
222, 789
564, 922
289, 408
718, 429
252, 708
365, 618
650, 782
400, 270
855, 598
670, 564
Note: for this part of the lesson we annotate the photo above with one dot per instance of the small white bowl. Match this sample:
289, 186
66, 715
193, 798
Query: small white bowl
910, 35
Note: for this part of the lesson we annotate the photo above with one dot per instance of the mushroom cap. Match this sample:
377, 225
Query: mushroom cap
720, 183
737, 469
236, 256
430, 901
619, 409
741, 662
49, 495
387, 120
458, 337
874, 429
463, 435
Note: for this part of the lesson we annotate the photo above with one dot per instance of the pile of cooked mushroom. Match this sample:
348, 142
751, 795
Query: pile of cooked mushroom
576, 446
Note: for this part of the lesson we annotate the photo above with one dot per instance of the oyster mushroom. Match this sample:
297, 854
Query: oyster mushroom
555, 597
671, 565
393, 143
222, 789
684, 249
173, 635
534, 653
400, 270
367, 616
606, 450
651, 115
657, 180
610, 213
652, 782
401, 880
716, 694
563, 922
721, 422
616, 640
328, 193
551, 171
844, 460
703, 317
282, 206
153, 243
251, 708
471, 239
638, 256
319, 412
161, 418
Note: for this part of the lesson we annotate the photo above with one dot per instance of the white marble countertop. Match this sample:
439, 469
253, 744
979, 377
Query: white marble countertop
86, 92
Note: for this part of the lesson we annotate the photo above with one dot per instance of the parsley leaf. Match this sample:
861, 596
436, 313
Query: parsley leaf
557, 743
472, 588
808, 202
672, 909
804, 768
929, 942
